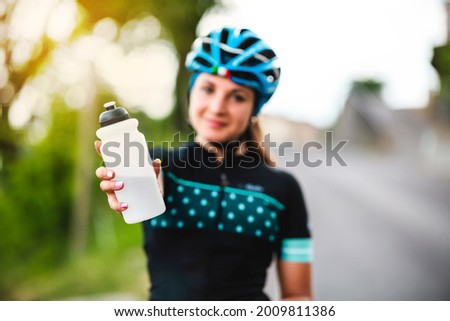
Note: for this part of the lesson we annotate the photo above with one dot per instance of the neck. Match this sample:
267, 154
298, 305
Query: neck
221, 149
211, 147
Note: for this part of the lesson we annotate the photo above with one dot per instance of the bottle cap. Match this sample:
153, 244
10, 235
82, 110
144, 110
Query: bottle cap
112, 114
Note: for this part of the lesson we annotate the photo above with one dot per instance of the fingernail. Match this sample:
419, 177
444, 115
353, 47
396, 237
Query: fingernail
119, 184
109, 174
124, 206
158, 160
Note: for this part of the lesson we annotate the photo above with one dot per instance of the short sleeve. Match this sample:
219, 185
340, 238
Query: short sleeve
294, 241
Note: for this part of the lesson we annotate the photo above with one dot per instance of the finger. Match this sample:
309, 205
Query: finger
115, 204
110, 186
157, 166
97, 145
104, 173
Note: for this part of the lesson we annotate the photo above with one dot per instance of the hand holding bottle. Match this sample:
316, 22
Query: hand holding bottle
125, 154
109, 185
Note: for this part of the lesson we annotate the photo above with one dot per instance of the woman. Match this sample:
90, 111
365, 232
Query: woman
228, 211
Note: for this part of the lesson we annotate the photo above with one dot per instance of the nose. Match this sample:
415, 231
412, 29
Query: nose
218, 104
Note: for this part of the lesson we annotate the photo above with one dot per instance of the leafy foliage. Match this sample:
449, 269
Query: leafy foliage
37, 202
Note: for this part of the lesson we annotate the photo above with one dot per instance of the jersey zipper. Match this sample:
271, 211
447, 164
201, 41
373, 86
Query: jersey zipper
215, 239
223, 183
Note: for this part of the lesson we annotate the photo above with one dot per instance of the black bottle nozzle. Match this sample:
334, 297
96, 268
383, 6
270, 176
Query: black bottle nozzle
112, 114
110, 105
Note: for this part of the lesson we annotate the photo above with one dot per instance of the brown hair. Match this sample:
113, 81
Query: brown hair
255, 140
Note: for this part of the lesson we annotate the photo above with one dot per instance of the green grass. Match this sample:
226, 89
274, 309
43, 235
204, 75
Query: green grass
114, 267
93, 276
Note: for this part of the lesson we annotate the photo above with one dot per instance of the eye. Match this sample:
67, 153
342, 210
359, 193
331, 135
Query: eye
239, 98
207, 89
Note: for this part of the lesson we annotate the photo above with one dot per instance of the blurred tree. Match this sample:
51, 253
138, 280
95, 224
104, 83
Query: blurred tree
16, 77
441, 62
37, 203
179, 19
368, 85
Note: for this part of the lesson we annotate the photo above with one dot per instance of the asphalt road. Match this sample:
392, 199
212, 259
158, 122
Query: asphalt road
381, 228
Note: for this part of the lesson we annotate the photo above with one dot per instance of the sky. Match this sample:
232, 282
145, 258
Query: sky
324, 45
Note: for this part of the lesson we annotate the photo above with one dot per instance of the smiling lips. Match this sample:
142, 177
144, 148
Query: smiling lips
215, 123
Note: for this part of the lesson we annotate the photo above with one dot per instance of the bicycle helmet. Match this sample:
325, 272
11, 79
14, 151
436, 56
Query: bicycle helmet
240, 55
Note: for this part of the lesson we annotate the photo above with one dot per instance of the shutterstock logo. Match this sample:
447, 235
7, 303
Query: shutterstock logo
114, 150
131, 153
331, 151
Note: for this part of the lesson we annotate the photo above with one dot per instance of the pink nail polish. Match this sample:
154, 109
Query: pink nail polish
119, 184
124, 206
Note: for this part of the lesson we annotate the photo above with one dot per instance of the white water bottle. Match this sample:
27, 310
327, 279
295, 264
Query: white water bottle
124, 150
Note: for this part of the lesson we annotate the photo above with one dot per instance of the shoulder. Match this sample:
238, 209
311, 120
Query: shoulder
279, 183
282, 176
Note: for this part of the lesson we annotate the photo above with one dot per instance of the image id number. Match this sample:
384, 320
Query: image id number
299, 311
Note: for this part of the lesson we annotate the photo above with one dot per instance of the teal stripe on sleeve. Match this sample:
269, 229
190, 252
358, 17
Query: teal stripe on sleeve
297, 250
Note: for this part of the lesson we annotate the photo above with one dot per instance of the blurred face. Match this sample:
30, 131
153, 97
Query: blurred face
219, 109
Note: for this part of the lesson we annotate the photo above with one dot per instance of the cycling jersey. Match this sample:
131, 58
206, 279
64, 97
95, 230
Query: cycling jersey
222, 225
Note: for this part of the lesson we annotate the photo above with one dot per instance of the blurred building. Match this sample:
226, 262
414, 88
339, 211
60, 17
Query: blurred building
413, 134
282, 129
367, 122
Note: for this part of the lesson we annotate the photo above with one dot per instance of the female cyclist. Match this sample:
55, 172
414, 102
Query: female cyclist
228, 210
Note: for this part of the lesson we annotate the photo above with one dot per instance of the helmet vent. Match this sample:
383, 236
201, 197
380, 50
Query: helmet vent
224, 36
207, 47
244, 75
248, 42
226, 56
269, 54
203, 62
242, 31
250, 62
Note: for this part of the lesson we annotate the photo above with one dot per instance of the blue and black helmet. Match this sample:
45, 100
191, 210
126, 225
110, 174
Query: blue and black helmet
240, 55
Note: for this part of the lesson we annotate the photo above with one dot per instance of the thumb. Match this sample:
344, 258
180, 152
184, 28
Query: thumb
157, 166
97, 145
